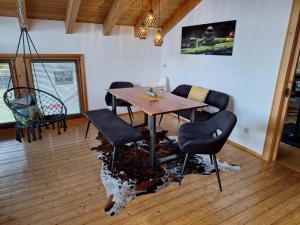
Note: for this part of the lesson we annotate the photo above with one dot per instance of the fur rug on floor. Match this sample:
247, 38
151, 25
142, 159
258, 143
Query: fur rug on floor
133, 175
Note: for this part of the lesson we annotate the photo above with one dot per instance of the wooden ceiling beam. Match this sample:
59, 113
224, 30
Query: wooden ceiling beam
71, 15
116, 9
187, 6
22, 13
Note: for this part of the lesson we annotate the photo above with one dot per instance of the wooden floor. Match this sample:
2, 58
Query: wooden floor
288, 155
56, 181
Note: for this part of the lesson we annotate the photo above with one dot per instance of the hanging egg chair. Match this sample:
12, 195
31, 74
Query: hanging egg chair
31, 107
35, 109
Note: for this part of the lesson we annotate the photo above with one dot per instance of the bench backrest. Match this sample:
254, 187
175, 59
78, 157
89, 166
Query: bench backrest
214, 98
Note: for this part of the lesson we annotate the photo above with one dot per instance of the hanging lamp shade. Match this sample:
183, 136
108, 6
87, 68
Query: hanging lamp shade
143, 31
158, 38
150, 19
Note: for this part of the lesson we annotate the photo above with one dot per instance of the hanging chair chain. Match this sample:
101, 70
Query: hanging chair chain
30, 43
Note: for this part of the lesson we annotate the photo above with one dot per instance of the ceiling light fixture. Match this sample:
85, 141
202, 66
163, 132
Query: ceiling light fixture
150, 18
158, 38
143, 30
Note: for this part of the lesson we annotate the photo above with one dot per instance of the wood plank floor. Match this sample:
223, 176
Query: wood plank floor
56, 181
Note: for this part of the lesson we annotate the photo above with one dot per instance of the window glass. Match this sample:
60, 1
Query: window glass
63, 75
5, 113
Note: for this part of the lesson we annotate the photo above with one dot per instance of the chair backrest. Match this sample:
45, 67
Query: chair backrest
182, 90
114, 85
217, 99
214, 98
223, 122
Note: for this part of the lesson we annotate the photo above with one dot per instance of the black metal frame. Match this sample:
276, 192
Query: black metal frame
213, 159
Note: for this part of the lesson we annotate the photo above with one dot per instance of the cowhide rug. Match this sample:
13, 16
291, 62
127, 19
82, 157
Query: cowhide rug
133, 175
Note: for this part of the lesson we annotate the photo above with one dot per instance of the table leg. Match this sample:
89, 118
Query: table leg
193, 115
114, 107
87, 129
152, 139
145, 119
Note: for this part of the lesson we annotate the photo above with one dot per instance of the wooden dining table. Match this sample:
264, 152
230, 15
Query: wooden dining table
165, 102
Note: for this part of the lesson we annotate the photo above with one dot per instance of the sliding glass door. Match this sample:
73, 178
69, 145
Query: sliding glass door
5, 74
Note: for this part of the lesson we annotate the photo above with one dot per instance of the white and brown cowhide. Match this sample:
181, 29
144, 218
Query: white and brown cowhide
133, 176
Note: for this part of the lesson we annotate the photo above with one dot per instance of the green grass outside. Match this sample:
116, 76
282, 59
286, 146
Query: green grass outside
5, 113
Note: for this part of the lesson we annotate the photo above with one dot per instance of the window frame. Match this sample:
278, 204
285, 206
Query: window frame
20, 80
6, 58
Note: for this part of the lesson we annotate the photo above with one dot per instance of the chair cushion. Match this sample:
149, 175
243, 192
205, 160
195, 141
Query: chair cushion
198, 94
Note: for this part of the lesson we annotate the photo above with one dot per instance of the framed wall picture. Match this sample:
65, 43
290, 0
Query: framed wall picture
209, 39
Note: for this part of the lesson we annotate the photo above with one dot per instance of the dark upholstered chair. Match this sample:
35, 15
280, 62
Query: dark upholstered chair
120, 102
206, 137
214, 98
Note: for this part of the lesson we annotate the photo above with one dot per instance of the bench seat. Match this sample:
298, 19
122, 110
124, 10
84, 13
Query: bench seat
115, 130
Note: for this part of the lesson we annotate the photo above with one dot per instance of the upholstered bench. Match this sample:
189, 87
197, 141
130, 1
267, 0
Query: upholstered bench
216, 101
115, 130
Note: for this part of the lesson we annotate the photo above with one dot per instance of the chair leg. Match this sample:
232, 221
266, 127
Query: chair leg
28, 135
22, 133
183, 168
113, 158
87, 129
136, 147
65, 124
211, 159
128, 109
33, 133
18, 136
161, 117
131, 112
217, 172
138, 155
58, 128
39, 131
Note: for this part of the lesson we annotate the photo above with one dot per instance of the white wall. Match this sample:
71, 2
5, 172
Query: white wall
118, 57
249, 76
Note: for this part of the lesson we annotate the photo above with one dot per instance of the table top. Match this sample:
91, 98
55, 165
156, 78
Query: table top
165, 103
